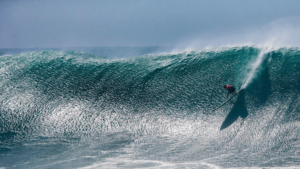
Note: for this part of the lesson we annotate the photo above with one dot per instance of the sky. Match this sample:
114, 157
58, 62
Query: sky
92, 23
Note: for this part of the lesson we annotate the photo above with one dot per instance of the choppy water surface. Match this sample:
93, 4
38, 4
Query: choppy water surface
77, 110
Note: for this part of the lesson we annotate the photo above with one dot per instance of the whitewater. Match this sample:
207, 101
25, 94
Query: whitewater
72, 109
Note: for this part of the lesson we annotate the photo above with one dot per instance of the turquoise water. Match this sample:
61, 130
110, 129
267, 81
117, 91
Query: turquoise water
70, 109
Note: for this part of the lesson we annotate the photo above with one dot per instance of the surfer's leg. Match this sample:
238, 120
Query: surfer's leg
233, 91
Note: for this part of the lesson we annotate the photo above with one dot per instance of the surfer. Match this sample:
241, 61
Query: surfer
230, 89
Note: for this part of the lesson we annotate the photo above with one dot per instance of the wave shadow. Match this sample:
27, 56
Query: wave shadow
239, 110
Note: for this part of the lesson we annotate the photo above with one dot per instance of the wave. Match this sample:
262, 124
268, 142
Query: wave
46, 82
73, 94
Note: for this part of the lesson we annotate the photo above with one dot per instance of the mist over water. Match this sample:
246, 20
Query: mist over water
103, 52
70, 109
255, 68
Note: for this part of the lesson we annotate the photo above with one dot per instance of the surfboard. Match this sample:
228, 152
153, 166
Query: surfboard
226, 101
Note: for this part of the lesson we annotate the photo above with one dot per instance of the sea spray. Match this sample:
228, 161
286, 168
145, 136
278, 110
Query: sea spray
255, 68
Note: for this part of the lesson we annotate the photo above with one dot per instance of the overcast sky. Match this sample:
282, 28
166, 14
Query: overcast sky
89, 23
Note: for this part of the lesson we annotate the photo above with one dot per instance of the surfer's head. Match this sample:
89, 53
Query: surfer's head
224, 86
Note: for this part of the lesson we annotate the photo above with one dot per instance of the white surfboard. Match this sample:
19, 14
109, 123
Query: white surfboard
226, 101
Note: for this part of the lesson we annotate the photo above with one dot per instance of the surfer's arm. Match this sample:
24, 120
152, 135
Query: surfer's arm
227, 95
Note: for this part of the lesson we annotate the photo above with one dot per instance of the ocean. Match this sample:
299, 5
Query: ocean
149, 107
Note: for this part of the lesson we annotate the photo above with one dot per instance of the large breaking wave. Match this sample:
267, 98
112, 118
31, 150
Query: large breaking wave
161, 105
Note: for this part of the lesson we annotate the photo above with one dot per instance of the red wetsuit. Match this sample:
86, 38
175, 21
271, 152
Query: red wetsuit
228, 86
